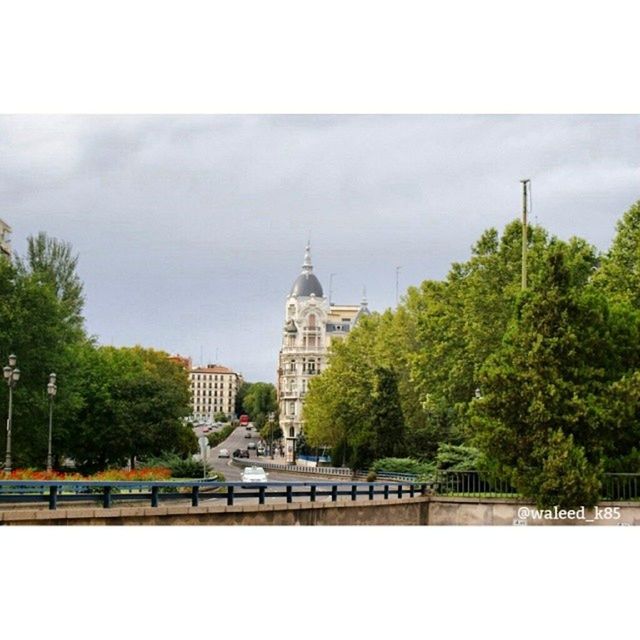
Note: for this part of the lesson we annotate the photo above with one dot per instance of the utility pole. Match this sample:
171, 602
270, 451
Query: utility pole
524, 233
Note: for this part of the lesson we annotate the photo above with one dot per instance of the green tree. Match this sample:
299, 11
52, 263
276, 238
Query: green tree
388, 421
53, 262
355, 406
242, 392
40, 323
134, 401
619, 273
546, 391
259, 401
461, 321
338, 405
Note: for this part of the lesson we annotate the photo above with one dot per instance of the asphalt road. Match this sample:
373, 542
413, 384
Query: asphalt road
232, 473
237, 440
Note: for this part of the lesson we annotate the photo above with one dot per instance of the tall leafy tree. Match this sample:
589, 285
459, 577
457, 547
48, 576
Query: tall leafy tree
461, 321
260, 400
242, 392
544, 416
52, 261
388, 426
40, 324
619, 273
355, 406
134, 401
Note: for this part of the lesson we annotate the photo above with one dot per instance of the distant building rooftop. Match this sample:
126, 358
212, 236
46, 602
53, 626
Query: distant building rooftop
212, 368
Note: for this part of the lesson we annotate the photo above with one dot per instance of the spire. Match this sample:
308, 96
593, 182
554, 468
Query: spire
307, 267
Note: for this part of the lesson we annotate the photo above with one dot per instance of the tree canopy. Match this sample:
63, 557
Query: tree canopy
543, 382
258, 401
112, 404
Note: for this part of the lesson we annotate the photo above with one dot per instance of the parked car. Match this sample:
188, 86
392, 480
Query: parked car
248, 435
223, 453
254, 474
260, 450
251, 445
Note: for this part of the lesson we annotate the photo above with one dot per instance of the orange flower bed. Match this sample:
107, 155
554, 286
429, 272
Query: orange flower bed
135, 475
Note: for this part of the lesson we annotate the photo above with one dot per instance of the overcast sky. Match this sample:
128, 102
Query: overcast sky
191, 229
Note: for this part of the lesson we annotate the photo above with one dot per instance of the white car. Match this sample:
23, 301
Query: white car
224, 453
254, 474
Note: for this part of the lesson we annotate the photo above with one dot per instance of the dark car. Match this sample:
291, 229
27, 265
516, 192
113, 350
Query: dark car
248, 434
240, 453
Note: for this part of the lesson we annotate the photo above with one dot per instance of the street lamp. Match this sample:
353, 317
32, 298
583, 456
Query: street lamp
51, 390
11, 375
272, 416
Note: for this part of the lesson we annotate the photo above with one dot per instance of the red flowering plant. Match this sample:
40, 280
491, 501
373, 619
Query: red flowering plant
40, 474
110, 475
134, 475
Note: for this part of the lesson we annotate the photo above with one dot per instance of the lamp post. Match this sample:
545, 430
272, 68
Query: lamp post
271, 418
51, 390
11, 375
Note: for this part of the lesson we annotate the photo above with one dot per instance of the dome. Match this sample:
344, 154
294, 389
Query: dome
306, 284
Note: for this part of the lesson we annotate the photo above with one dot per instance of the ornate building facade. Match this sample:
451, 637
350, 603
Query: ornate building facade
312, 322
5, 242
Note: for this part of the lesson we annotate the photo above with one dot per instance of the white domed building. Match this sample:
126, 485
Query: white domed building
312, 322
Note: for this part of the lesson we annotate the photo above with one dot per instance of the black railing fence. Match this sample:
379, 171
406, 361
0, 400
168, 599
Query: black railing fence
615, 486
55, 492
472, 483
619, 486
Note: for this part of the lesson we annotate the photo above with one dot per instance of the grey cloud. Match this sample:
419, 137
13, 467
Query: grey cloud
191, 229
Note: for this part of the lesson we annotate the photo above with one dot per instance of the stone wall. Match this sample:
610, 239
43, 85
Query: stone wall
423, 510
408, 511
494, 511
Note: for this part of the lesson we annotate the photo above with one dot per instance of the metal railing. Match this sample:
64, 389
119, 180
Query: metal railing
388, 475
620, 486
276, 466
471, 484
615, 486
55, 492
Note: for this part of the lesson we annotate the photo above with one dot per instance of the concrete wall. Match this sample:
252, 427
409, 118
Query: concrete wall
495, 511
408, 511
428, 510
